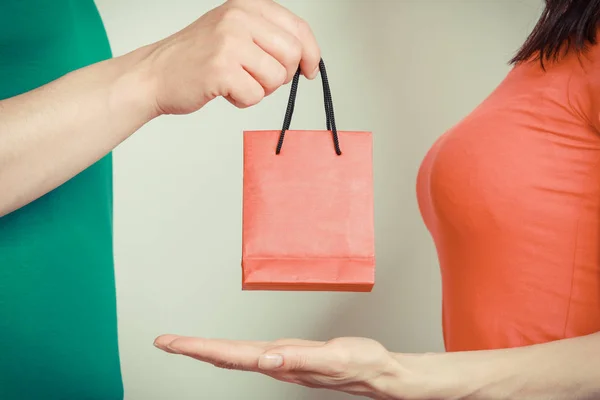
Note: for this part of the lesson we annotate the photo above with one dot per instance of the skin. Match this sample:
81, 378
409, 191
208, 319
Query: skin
243, 51
564, 369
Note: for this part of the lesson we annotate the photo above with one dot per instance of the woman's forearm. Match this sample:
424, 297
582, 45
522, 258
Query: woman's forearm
52, 133
564, 369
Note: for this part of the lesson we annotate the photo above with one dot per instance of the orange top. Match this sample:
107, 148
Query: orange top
511, 196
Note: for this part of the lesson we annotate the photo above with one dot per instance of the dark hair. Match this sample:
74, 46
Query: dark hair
564, 25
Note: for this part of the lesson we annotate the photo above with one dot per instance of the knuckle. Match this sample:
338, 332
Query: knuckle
341, 361
256, 97
252, 98
301, 362
270, 88
294, 52
316, 56
302, 25
278, 78
219, 69
240, 3
282, 76
291, 59
340, 367
271, 84
233, 14
225, 40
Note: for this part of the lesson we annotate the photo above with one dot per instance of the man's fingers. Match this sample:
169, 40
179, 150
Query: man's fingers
279, 43
285, 19
316, 359
265, 69
242, 89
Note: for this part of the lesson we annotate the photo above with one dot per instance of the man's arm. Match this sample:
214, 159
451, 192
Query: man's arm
242, 50
52, 133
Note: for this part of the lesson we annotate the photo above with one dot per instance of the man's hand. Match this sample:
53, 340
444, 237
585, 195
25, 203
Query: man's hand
353, 365
242, 50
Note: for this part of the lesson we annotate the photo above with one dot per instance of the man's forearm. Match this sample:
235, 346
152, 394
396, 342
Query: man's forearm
52, 133
240, 50
564, 369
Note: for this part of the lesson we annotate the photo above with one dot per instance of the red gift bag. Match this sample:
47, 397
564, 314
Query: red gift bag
308, 207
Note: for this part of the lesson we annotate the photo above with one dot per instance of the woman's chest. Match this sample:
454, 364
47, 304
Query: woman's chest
501, 166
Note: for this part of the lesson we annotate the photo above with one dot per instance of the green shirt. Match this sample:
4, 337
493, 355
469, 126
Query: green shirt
58, 322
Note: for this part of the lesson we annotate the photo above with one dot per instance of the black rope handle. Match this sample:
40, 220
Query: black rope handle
329, 115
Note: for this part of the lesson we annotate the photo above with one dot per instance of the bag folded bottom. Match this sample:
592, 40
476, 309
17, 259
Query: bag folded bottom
309, 274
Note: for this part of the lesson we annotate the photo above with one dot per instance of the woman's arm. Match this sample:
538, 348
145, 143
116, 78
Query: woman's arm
242, 50
564, 369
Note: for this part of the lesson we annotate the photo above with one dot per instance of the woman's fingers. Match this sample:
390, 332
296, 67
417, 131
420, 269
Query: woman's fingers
320, 360
290, 354
229, 354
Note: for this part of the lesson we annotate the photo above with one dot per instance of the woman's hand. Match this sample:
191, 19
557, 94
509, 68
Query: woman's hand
353, 365
242, 50
561, 369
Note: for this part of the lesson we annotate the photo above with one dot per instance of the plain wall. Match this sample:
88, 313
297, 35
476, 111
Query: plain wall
406, 70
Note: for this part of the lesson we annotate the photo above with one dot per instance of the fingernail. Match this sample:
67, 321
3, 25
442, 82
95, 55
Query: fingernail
172, 350
166, 348
270, 361
313, 74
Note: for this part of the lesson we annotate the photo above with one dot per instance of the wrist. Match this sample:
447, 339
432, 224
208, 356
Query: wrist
416, 377
460, 375
428, 376
135, 87
387, 383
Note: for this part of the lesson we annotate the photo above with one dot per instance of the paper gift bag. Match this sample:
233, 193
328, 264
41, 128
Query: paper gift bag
308, 206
